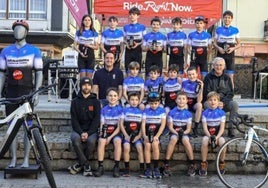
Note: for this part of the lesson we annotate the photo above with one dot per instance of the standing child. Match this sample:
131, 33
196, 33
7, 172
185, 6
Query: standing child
112, 40
176, 45
154, 44
179, 123
213, 120
153, 124
134, 83
131, 129
193, 87
110, 131
199, 46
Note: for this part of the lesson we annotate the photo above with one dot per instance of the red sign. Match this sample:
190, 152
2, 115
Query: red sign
78, 8
166, 10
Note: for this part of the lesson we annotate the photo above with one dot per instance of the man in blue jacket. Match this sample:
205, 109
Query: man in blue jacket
85, 119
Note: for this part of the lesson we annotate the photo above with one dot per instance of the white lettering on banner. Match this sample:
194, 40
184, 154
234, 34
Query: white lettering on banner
165, 6
75, 6
185, 21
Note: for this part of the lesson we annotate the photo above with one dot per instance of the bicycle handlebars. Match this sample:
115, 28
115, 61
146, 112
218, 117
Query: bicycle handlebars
24, 98
242, 119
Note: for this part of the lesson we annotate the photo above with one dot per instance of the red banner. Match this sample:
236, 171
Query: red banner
165, 9
78, 8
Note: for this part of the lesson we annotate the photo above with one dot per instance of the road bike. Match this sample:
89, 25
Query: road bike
34, 131
246, 158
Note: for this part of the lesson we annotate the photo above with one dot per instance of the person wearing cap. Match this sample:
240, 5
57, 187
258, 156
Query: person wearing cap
85, 120
18, 63
226, 41
176, 45
199, 46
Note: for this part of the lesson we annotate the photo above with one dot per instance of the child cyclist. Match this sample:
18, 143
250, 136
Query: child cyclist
153, 124
213, 120
110, 131
179, 123
130, 125
193, 87
134, 83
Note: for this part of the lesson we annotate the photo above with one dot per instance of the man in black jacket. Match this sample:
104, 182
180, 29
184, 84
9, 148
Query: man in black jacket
85, 119
217, 80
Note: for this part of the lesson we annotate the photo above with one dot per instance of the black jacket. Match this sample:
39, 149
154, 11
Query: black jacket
85, 114
221, 84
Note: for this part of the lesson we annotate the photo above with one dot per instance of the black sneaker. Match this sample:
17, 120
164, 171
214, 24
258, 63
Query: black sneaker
148, 173
76, 168
166, 171
87, 171
126, 173
116, 173
157, 173
99, 172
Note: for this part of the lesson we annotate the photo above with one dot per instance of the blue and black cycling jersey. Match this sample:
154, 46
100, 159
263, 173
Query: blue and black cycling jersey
137, 31
213, 118
192, 90
176, 40
171, 88
86, 37
19, 64
132, 117
133, 84
154, 38
112, 39
154, 85
180, 118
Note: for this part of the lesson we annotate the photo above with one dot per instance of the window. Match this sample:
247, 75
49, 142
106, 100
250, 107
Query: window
23, 9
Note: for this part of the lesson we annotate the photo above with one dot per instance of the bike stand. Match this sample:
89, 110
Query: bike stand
32, 169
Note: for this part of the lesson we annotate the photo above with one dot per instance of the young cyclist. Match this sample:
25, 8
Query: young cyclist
85, 42
176, 45
154, 44
110, 131
153, 124
130, 125
227, 40
112, 40
213, 120
134, 83
193, 87
155, 82
199, 46
179, 123
133, 34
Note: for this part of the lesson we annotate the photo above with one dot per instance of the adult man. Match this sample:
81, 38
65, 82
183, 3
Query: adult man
107, 77
19, 61
217, 80
85, 118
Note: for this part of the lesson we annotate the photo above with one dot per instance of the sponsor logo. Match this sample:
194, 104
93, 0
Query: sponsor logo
17, 75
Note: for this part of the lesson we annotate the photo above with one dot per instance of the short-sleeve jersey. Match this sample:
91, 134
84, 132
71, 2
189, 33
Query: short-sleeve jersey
153, 118
176, 40
132, 117
227, 34
19, 64
110, 116
180, 118
160, 38
86, 37
213, 118
171, 88
154, 85
136, 30
135, 84
111, 39
190, 88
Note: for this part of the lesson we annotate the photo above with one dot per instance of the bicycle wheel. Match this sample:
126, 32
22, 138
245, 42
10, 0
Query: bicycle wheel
44, 157
253, 172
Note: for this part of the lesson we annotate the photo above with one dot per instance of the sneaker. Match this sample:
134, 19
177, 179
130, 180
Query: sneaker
222, 167
142, 173
126, 173
191, 170
116, 173
203, 169
157, 173
148, 173
76, 168
87, 171
99, 172
166, 171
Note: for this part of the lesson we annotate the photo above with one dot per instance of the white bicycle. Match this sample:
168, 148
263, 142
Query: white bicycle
34, 132
246, 158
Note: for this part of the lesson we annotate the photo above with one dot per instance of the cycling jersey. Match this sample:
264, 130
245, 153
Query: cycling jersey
135, 31
180, 118
192, 90
154, 85
213, 118
135, 84
110, 116
112, 39
132, 117
153, 119
171, 88
19, 64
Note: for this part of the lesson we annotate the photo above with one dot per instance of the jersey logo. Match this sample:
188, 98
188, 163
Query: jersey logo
17, 75
152, 127
110, 129
175, 50
199, 51
133, 126
212, 131
113, 49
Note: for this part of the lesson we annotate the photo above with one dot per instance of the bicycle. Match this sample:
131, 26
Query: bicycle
34, 132
246, 158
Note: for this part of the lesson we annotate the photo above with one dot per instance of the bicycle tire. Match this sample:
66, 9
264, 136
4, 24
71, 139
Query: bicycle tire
44, 158
254, 173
